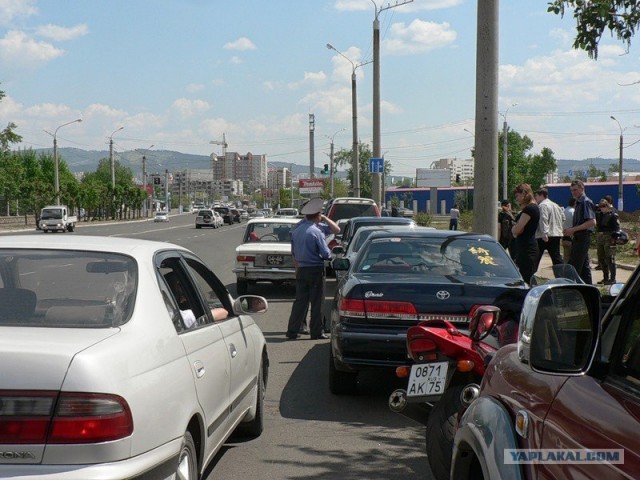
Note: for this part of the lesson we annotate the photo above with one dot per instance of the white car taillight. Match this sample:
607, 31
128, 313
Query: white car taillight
40, 417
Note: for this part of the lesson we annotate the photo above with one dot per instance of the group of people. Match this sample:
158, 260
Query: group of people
542, 225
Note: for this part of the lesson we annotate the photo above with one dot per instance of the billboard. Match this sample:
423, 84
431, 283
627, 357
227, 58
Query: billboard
432, 177
310, 185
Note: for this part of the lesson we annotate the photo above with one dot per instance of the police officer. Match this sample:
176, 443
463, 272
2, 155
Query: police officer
584, 220
310, 250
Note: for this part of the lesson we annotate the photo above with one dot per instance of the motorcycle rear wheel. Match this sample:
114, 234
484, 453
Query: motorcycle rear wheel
441, 430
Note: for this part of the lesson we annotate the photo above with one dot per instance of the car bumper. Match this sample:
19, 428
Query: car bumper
265, 274
157, 464
359, 349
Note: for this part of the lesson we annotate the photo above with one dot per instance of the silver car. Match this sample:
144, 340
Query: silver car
121, 358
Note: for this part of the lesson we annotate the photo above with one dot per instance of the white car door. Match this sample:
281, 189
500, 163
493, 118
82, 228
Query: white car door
205, 348
239, 336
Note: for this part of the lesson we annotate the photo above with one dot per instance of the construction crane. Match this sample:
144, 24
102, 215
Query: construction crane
224, 146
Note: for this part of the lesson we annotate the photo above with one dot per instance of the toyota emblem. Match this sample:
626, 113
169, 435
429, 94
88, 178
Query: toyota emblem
442, 295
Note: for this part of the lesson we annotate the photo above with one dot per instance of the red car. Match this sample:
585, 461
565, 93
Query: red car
564, 402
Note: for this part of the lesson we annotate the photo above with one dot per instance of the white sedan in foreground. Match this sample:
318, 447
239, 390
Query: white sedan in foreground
121, 358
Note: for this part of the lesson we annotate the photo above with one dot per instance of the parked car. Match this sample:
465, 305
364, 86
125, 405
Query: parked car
353, 224
226, 214
401, 277
265, 253
244, 215
103, 374
349, 207
208, 218
570, 384
356, 243
161, 216
287, 212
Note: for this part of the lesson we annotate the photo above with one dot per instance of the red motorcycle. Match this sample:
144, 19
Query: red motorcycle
446, 376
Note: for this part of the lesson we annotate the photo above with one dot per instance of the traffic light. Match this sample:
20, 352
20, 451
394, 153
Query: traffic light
157, 181
326, 169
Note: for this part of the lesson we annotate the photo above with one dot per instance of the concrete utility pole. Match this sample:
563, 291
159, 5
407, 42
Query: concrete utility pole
485, 219
355, 162
144, 181
312, 128
620, 160
331, 175
56, 164
113, 172
375, 177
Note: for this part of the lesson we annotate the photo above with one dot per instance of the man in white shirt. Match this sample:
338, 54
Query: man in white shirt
549, 232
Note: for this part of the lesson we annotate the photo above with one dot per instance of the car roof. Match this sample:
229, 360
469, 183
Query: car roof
387, 220
127, 246
417, 232
352, 200
292, 221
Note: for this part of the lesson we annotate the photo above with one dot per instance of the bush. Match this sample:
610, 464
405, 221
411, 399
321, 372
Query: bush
423, 219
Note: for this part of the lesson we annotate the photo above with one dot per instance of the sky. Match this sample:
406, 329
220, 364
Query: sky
180, 74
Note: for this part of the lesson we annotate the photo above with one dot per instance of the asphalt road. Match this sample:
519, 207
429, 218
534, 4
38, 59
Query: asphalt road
309, 433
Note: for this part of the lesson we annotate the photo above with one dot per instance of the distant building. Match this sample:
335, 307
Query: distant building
458, 166
278, 178
250, 169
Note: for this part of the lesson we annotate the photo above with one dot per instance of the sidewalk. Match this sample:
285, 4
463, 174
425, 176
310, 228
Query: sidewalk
623, 273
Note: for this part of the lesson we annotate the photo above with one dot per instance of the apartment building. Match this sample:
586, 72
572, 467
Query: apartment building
458, 166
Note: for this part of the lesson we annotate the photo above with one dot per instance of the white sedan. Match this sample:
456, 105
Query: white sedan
265, 253
121, 358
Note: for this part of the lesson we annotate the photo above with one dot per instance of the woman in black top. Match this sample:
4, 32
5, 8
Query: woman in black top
524, 232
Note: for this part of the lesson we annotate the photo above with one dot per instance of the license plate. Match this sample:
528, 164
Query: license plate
275, 259
427, 379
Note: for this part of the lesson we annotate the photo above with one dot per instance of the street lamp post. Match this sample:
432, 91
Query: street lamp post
113, 172
505, 153
144, 181
355, 162
375, 180
620, 200
331, 176
56, 166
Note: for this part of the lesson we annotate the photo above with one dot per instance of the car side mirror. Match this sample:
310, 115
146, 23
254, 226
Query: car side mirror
559, 328
339, 250
340, 263
250, 304
481, 320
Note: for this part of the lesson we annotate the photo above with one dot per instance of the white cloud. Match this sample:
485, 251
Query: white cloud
342, 68
99, 111
55, 32
313, 78
9, 109
18, 50
10, 9
236, 60
417, 5
194, 87
188, 108
418, 37
241, 44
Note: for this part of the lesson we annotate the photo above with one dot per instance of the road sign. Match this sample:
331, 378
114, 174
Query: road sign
376, 165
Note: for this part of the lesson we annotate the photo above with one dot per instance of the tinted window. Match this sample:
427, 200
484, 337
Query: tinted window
466, 258
66, 289
350, 210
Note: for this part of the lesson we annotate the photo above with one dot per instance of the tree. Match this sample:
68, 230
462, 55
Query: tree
7, 135
593, 17
343, 158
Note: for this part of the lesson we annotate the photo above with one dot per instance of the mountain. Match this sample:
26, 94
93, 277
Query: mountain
160, 160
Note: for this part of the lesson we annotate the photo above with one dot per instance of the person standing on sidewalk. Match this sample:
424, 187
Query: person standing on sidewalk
524, 232
549, 232
584, 220
568, 222
309, 249
505, 224
455, 216
607, 223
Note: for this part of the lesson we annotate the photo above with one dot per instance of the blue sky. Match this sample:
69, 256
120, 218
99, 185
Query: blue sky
178, 74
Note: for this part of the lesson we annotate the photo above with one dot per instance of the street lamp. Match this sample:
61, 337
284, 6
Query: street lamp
56, 174
144, 179
331, 177
355, 163
620, 201
505, 153
375, 178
